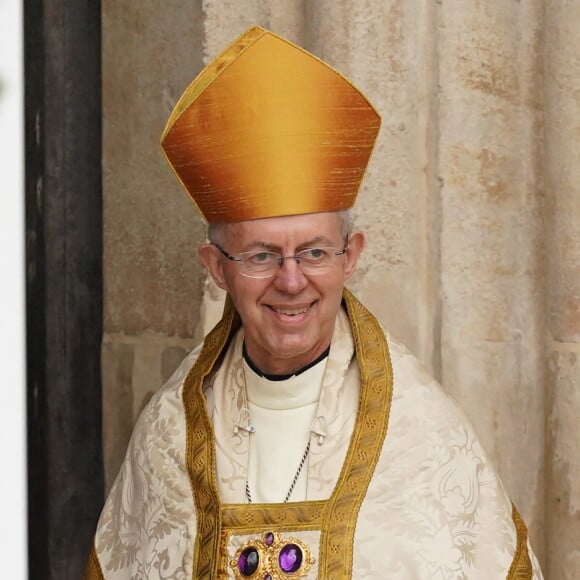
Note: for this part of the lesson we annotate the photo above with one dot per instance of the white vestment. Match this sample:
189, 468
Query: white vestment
397, 484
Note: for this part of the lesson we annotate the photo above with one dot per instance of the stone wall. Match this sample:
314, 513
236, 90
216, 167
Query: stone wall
562, 348
471, 209
152, 281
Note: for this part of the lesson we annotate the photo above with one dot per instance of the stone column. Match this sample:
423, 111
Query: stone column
492, 279
388, 50
562, 170
153, 283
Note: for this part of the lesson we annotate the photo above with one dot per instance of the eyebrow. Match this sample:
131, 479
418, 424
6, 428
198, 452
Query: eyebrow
274, 248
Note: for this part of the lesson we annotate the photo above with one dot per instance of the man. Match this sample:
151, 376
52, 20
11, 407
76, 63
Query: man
298, 441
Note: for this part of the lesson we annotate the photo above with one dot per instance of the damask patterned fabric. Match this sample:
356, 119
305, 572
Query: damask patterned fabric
434, 507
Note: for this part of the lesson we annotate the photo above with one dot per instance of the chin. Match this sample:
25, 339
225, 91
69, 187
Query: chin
289, 347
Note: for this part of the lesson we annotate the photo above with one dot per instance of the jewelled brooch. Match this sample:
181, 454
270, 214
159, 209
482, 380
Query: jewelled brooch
272, 557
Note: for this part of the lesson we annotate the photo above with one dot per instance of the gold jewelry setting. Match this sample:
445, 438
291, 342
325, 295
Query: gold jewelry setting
272, 557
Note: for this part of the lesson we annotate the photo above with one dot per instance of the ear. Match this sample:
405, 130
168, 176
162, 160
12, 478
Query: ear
209, 256
356, 244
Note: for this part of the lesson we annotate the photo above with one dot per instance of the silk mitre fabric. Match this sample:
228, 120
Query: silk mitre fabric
434, 508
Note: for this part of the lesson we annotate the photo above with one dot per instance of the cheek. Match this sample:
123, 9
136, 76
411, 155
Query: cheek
333, 288
246, 293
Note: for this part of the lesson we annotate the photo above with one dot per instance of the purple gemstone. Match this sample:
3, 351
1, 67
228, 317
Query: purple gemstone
248, 561
268, 538
267, 577
290, 558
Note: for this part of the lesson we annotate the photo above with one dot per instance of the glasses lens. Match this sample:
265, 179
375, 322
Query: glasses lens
260, 264
316, 260
311, 261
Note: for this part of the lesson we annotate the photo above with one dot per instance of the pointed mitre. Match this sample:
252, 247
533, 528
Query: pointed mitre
267, 130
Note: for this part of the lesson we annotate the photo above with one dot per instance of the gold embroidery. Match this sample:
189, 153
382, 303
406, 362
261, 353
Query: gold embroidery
239, 519
268, 554
200, 447
246, 518
335, 517
376, 390
521, 568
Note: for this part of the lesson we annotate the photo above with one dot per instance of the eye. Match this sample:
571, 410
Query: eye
260, 258
314, 255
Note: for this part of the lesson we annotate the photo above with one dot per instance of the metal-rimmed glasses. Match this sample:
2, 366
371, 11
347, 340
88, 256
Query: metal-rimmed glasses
265, 263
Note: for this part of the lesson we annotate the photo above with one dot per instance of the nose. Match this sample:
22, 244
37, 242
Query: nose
290, 279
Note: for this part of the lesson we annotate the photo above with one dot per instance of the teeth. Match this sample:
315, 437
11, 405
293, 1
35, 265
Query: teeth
291, 312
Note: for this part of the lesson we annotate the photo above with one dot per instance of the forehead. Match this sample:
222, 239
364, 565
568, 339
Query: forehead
288, 230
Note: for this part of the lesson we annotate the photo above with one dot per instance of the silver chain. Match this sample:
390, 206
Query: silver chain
294, 481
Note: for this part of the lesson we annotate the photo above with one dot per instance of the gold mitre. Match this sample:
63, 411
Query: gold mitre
267, 130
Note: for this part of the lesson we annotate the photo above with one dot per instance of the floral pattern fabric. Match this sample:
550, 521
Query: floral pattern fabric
434, 509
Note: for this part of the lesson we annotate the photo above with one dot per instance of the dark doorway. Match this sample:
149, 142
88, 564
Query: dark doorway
64, 282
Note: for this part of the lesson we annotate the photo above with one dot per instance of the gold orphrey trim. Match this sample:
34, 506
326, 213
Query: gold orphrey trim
200, 447
376, 391
521, 568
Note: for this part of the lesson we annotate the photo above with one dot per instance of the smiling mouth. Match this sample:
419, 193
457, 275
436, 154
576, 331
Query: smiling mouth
290, 311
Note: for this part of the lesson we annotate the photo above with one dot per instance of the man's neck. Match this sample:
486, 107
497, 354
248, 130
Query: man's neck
283, 376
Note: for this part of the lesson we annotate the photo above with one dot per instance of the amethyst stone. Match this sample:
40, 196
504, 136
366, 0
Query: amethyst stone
290, 558
248, 561
268, 538
267, 577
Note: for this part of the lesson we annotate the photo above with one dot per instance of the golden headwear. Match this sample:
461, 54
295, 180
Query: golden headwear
267, 130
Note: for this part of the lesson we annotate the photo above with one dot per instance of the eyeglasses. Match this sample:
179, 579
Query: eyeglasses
264, 264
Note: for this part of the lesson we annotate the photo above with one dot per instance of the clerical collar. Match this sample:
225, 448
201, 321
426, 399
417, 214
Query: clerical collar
282, 377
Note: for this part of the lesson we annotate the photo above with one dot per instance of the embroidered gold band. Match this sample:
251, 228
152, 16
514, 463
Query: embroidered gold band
376, 391
521, 568
200, 448
245, 518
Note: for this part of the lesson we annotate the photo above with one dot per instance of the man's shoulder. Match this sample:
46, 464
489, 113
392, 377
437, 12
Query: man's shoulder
422, 407
412, 380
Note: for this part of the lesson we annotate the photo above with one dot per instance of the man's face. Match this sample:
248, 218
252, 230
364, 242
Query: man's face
289, 317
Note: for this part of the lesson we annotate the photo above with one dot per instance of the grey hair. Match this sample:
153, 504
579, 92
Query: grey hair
216, 232
346, 223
